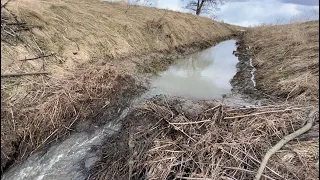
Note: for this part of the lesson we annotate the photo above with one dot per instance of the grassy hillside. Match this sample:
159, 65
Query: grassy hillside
89, 44
91, 30
287, 59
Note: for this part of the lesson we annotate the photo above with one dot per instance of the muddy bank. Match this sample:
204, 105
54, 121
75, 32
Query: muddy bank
244, 82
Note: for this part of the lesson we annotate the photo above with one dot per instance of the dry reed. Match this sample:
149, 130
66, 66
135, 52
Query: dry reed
176, 139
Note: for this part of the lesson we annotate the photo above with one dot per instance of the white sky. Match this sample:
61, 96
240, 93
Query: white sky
254, 12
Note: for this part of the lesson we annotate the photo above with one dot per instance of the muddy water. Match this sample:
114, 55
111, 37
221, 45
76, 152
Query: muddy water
203, 75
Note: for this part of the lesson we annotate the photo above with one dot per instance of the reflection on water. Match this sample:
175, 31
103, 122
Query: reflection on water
203, 75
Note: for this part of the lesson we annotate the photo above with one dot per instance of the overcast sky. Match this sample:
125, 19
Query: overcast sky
255, 12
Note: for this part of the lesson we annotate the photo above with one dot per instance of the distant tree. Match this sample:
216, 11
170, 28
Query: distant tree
201, 6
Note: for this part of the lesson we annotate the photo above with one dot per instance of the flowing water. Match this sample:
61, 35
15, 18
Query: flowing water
203, 75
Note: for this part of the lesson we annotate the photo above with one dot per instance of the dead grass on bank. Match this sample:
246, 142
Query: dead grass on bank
287, 59
81, 32
37, 110
171, 139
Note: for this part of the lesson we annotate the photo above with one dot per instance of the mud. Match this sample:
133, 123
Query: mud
244, 81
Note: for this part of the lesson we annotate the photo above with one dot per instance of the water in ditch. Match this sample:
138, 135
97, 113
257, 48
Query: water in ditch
203, 75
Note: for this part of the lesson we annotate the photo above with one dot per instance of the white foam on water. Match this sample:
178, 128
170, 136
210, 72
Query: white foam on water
252, 73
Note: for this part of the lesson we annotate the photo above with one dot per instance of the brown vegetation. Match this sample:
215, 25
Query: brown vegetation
89, 41
287, 59
93, 45
94, 30
180, 139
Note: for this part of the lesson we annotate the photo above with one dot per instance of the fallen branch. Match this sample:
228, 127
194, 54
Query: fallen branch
257, 107
211, 109
284, 140
38, 57
23, 74
266, 112
195, 122
190, 178
15, 24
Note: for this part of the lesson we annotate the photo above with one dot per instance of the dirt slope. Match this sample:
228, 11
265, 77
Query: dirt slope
91, 42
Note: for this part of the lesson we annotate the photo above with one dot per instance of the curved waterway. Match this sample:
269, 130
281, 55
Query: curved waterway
204, 75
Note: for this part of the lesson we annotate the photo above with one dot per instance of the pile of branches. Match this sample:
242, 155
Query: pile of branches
166, 140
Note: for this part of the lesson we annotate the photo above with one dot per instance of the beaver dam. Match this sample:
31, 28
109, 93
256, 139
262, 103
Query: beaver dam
183, 129
120, 95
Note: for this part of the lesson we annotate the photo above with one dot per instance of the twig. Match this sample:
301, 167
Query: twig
178, 129
13, 35
257, 107
23, 74
266, 112
196, 122
245, 170
17, 24
190, 178
46, 139
38, 57
212, 108
284, 140
4, 4
257, 161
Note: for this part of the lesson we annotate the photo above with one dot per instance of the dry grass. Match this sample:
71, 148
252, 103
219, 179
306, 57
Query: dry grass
85, 37
176, 139
286, 59
37, 111
93, 30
